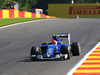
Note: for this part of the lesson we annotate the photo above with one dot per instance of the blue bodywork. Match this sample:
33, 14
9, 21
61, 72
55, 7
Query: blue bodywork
49, 50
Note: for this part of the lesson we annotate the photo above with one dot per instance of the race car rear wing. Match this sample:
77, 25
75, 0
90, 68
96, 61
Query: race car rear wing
63, 35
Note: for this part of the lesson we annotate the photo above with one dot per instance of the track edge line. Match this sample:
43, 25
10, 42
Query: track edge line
82, 60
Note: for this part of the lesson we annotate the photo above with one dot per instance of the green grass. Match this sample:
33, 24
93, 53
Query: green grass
4, 22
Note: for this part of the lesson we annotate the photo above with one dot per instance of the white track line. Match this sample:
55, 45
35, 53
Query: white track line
24, 23
84, 58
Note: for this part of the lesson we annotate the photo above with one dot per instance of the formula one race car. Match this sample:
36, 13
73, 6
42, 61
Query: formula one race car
56, 49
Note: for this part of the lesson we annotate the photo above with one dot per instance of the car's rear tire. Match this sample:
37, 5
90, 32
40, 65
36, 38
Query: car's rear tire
75, 48
66, 50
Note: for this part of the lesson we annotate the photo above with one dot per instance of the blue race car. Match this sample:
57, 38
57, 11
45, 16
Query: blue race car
56, 49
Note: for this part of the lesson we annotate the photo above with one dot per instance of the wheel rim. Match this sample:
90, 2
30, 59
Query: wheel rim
79, 48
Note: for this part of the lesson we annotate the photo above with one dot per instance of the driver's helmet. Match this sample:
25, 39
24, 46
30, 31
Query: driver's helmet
54, 42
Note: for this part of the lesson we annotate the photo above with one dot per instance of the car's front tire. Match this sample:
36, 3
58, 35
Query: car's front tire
34, 51
66, 50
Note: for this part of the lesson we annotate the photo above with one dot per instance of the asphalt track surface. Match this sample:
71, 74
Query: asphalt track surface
16, 42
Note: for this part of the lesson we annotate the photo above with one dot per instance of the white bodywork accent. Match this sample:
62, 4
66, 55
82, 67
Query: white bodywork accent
69, 38
39, 57
33, 55
57, 56
66, 56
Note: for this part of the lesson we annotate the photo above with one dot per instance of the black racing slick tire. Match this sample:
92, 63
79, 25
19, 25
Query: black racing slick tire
34, 51
75, 48
66, 50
